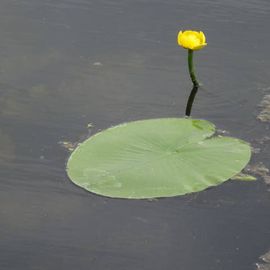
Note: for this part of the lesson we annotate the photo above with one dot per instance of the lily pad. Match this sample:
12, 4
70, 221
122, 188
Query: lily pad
156, 158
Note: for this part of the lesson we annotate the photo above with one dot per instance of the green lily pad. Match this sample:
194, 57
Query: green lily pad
156, 158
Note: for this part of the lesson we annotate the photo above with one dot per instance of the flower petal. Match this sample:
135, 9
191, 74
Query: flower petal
203, 39
200, 46
192, 40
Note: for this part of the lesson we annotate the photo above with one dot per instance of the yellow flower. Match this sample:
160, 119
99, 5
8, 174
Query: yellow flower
191, 40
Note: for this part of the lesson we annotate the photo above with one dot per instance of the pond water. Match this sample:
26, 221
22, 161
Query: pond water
67, 63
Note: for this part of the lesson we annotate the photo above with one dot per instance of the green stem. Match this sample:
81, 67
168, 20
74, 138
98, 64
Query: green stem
191, 68
191, 100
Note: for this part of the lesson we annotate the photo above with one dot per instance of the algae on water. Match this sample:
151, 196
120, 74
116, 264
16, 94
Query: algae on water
264, 114
265, 262
259, 170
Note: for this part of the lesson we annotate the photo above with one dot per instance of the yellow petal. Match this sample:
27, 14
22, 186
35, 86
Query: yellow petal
179, 37
202, 36
199, 47
183, 40
192, 40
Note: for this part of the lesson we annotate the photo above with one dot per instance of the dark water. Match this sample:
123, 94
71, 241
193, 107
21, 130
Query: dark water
66, 63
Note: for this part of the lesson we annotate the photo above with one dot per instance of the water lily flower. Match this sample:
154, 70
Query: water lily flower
191, 40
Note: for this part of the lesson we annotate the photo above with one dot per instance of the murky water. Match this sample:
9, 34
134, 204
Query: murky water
66, 63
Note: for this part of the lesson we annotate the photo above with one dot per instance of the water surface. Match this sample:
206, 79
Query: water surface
66, 63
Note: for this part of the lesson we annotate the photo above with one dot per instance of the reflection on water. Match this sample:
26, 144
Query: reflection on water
66, 63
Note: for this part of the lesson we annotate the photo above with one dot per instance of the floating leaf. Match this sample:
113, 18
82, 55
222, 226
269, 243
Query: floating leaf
156, 158
244, 177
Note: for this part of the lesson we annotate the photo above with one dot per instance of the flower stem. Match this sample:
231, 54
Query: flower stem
191, 100
191, 68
